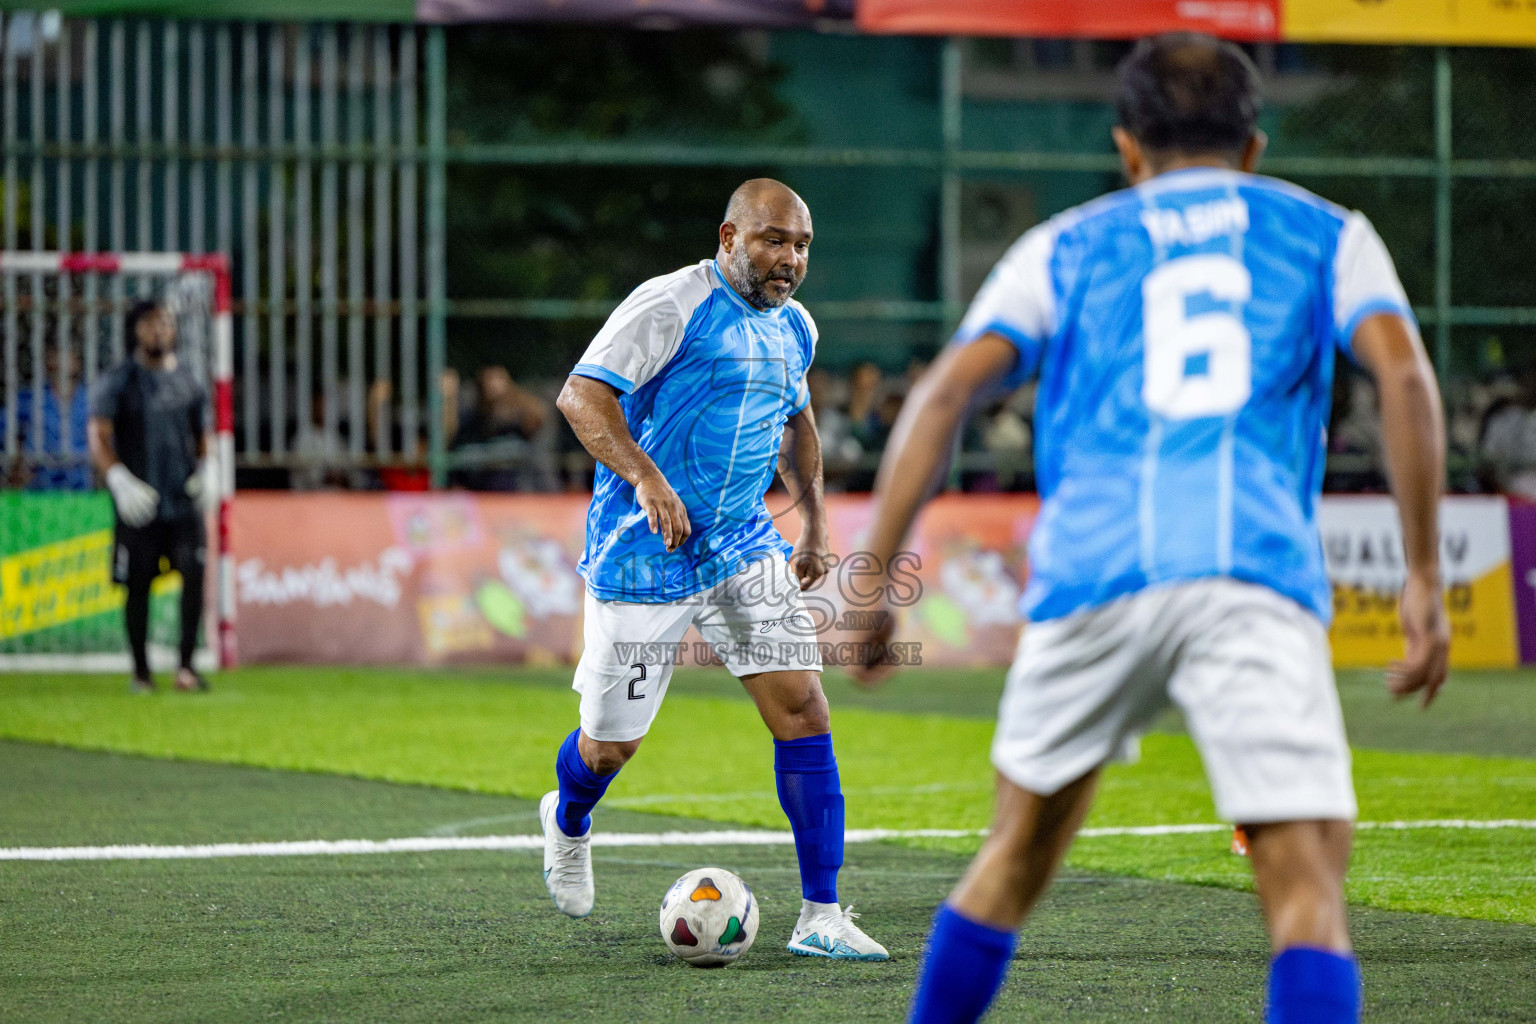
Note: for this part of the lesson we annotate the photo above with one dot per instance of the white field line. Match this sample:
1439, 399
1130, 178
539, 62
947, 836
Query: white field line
435, 844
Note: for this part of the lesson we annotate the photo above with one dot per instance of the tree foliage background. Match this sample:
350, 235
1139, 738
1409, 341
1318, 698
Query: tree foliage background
590, 232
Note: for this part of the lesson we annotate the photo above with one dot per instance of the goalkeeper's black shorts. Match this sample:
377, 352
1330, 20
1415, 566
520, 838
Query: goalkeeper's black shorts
177, 544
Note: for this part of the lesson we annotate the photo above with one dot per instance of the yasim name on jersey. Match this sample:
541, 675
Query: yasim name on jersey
1198, 223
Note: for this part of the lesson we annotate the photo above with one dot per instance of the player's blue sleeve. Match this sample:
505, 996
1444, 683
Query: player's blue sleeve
638, 339
1018, 301
1364, 281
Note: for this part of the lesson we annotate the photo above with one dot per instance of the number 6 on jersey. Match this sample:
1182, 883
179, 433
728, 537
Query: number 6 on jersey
1197, 357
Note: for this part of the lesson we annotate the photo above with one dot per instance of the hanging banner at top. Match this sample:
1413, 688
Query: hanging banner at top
1473, 22
1254, 20
1450, 22
644, 13
632, 13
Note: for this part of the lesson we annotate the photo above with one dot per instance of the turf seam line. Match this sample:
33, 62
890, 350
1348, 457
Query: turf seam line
742, 837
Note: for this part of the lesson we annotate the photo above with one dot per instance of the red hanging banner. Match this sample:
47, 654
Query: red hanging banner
1248, 20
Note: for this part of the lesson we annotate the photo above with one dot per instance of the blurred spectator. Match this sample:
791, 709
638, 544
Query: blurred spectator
403, 467
874, 432
1507, 441
1354, 438
412, 473
62, 467
840, 451
864, 392
501, 436
1007, 436
322, 455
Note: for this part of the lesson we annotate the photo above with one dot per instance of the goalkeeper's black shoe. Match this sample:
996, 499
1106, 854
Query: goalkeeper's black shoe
144, 685
188, 681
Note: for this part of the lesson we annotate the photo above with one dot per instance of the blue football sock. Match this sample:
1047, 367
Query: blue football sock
580, 788
812, 797
1313, 986
963, 967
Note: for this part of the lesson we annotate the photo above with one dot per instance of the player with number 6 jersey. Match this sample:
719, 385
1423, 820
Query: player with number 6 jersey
1183, 334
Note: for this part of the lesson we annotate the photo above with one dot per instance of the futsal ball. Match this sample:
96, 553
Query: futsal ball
709, 917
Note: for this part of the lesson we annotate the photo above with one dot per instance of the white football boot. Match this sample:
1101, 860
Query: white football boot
567, 862
827, 930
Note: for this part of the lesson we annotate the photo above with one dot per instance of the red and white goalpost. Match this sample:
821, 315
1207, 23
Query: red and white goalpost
71, 267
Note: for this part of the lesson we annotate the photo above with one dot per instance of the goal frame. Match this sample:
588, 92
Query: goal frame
166, 265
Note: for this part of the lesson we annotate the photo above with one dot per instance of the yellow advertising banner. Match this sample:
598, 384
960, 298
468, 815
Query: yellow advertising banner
1472, 22
57, 583
1363, 544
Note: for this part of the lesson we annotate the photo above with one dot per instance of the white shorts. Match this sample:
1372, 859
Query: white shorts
755, 621
1249, 669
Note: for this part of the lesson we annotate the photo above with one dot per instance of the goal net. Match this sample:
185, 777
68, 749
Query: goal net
61, 328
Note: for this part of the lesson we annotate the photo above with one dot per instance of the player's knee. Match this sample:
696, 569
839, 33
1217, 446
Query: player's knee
805, 711
817, 719
605, 757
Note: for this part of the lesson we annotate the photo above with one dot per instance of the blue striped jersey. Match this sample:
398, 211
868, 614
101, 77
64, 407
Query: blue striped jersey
1183, 335
708, 383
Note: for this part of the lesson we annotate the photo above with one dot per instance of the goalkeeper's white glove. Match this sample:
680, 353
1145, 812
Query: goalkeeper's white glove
204, 485
136, 501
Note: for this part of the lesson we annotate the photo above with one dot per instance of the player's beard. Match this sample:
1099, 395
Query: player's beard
753, 283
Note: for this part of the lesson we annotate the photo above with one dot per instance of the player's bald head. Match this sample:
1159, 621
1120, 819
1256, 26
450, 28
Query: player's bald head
765, 242
763, 200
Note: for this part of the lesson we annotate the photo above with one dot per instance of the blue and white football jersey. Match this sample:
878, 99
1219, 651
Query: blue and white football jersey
708, 382
1183, 334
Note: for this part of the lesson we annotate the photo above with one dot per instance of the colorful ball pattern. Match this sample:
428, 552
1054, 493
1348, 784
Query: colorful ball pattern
709, 917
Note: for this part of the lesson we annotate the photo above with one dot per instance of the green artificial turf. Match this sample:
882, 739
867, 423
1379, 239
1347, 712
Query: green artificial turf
709, 757
471, 936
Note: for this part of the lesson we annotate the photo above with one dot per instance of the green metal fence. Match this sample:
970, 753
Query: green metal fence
303, 151
1380, 129
295, 149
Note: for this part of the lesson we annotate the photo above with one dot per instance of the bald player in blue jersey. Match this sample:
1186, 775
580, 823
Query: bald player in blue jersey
1183, 334
686, 398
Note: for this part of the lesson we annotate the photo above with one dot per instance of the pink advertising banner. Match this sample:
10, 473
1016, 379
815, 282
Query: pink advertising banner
454, 578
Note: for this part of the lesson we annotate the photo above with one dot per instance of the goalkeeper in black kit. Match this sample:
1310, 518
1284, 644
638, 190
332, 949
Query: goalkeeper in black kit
149, 440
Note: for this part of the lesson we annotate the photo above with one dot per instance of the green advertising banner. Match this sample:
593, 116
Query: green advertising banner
58, 603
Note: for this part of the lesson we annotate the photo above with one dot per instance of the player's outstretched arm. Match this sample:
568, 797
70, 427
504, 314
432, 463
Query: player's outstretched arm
1413, 435
919, 452
593, 411
800, 469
